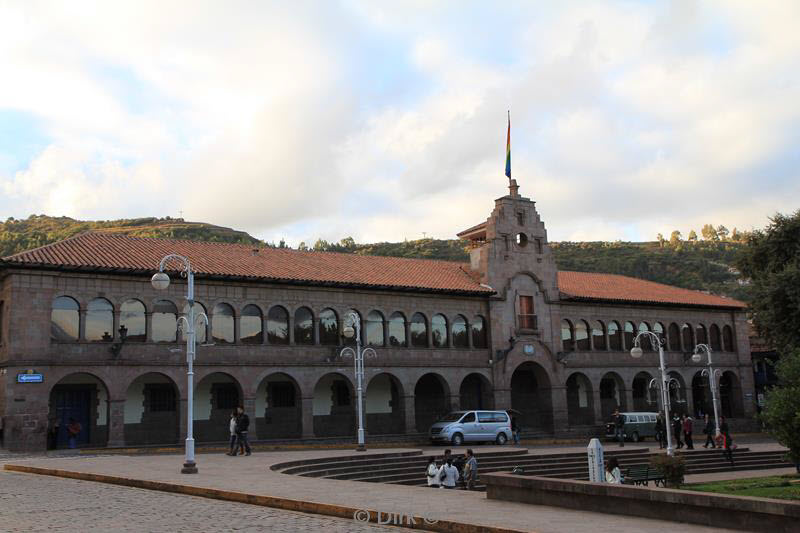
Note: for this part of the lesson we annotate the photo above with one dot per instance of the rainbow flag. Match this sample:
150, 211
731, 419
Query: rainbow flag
508, 148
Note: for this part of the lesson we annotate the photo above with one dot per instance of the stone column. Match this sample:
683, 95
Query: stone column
116, 422
290, 326
82, 324
429, 333
560, 411
629, 399
599, 416
307, 403
148, 326
115, 333
502, 399
237, 329
264, 329
408, 331
409, 410
315, 332
454, 402
386, 331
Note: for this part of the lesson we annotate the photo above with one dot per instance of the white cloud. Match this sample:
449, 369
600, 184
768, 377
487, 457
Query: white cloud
386, 120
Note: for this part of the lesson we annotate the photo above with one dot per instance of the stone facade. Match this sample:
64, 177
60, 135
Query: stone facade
137, 395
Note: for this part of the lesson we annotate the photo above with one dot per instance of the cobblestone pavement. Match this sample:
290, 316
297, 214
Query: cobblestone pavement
30, 502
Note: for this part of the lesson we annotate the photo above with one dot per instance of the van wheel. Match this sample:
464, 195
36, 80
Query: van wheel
501, 439
635, 437
458, 439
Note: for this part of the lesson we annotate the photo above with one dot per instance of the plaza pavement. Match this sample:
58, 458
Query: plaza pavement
253, 476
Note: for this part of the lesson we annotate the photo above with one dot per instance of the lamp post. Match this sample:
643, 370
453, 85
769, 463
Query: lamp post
636, 353
160, 281
713, 377
350, 330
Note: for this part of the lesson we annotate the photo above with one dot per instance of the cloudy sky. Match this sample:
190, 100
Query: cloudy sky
386, 119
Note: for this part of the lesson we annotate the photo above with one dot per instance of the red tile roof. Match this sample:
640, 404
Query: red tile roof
98, 251
108, 251
611, 287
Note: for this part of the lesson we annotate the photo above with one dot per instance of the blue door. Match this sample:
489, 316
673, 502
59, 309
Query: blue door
73, 402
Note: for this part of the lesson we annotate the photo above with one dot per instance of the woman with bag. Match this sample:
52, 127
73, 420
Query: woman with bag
432, 473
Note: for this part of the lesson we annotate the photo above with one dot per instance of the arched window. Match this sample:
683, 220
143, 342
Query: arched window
165, 321
222, 324
567, 337
397, 329
64, 320
439, 331
688, 337
644, 340
702, 338
131, 317
303, 326
100, 320
582, 342
674, 337
419, 331
478, 328
200, 327
251, 325
629, 334
598, 335
278, 325
658, 329
347, 320
374, 333
716, 343
459, 332
614, 336
328, 327
727, 339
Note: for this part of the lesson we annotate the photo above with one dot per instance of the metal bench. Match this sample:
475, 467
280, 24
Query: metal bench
642, 475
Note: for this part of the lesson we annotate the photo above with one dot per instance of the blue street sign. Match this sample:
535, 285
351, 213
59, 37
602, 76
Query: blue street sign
30, 378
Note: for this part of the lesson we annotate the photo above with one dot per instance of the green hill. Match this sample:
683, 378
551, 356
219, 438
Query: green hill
698, 264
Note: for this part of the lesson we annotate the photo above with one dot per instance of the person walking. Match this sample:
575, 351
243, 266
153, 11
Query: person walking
234, 440
74, 429
613, 473
470, 470
687, 431
242, 427
619, 427
677, 427
661, 431
725, 441
432, 473
708, 429
515, 430
448, 475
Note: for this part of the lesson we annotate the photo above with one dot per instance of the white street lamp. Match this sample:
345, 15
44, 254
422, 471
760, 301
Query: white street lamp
160, 281
713, 376
353, 329
636, 353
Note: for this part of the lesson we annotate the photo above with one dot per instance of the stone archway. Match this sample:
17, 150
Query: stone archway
81, 397
612, 394
151, 410
677, 394
531, 396
279, 411
644, 399
580, 402
334, 406
701, 396
730, 395
384, 410
216, 396
430, 401
476, 392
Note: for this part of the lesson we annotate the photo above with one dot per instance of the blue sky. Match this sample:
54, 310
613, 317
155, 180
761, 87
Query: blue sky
384, 120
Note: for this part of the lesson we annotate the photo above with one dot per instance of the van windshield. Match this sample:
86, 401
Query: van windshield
452, 417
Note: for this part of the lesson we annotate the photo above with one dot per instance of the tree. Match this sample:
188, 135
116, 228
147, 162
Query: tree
771, 261
660, 239
735, 235
722, 233
675, 238
692, 236
709, 233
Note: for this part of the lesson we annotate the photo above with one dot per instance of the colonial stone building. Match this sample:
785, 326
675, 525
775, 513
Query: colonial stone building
505, 331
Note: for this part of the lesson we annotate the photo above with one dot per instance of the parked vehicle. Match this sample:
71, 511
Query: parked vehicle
638, 425
472, 426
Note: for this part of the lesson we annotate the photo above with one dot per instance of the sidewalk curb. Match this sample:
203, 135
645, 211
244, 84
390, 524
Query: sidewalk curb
287, 504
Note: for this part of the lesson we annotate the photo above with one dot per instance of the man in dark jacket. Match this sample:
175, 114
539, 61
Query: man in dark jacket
242, 426
709, 430
619, 426
677, 428
661, 431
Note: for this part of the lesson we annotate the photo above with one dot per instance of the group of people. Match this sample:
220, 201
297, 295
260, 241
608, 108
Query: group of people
453, 472
239, 426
